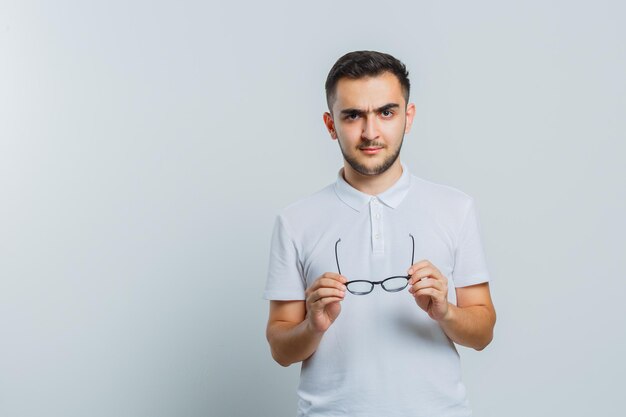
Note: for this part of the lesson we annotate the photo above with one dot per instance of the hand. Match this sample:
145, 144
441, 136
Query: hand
322, 300
430, 289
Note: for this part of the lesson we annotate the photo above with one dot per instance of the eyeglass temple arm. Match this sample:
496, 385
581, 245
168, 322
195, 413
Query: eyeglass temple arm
336, 257
412, 252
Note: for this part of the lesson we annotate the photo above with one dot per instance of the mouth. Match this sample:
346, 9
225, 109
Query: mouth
372, 150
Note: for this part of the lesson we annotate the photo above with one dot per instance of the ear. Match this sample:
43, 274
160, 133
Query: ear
330, 125
410, 114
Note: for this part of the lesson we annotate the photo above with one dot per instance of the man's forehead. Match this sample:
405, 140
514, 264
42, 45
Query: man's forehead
368, 92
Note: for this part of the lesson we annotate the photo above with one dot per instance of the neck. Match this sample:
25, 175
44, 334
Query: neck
372, 184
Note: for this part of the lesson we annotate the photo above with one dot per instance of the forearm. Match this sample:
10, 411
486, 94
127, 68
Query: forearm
470, 326
291, 343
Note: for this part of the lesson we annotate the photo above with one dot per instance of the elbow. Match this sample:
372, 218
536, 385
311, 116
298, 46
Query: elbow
276, 355
486, 340
280, 360
483, 345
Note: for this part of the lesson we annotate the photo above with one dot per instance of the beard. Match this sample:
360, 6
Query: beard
376, 170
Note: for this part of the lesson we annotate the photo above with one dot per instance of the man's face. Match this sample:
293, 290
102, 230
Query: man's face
369, 120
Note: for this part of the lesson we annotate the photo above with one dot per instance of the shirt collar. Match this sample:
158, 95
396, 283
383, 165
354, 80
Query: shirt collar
391, 197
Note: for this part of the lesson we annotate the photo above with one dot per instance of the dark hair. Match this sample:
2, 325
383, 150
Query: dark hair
360, 64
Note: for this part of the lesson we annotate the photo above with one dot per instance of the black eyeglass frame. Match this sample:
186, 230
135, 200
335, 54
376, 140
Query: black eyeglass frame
373, 283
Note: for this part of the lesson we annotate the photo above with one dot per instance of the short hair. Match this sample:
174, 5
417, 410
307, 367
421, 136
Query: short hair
361, 64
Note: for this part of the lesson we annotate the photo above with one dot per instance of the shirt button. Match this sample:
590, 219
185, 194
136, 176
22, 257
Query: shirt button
378, 215
377, 236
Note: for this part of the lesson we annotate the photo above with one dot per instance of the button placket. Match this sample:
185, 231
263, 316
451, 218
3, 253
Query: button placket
376, 217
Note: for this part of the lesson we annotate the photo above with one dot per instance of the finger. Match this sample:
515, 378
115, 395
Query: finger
424, 302
325, 292
430, 292
335, 281
427, 283
426, 272
331, 283
431, 273
318, 285
335, 276
328, 300
421, 264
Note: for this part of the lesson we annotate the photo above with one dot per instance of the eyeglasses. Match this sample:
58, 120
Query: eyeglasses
391, 284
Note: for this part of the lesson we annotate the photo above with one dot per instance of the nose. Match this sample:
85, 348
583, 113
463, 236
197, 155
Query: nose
370, 129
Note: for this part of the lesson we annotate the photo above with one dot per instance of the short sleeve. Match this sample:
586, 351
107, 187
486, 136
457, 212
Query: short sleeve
285, 277
470, 266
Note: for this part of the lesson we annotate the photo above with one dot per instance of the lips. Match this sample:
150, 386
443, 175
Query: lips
371, 150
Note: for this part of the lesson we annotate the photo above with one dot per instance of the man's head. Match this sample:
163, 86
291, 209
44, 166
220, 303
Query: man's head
367, 94
361, 64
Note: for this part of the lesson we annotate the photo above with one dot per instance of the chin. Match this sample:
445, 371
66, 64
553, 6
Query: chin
369, 169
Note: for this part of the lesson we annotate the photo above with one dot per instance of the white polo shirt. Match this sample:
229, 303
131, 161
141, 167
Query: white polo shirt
383, 356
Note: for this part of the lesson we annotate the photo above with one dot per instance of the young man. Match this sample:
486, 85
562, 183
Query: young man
373, 327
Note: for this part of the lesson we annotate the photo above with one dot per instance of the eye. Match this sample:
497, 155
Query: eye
352, 116
386, 113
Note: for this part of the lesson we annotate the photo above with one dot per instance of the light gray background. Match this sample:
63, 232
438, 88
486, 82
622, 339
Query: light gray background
147, 146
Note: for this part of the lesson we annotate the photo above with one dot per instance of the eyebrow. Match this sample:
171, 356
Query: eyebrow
361, 112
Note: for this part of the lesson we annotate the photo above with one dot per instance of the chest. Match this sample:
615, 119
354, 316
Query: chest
362, 248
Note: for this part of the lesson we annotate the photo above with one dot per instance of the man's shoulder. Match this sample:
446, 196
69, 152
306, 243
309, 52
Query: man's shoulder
311, 203
441, 200
438, 191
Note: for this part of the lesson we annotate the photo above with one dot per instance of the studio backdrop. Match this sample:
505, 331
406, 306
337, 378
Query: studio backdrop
146, 148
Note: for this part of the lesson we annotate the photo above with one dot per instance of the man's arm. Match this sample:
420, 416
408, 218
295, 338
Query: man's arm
295, 328
469, 323
290, 337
